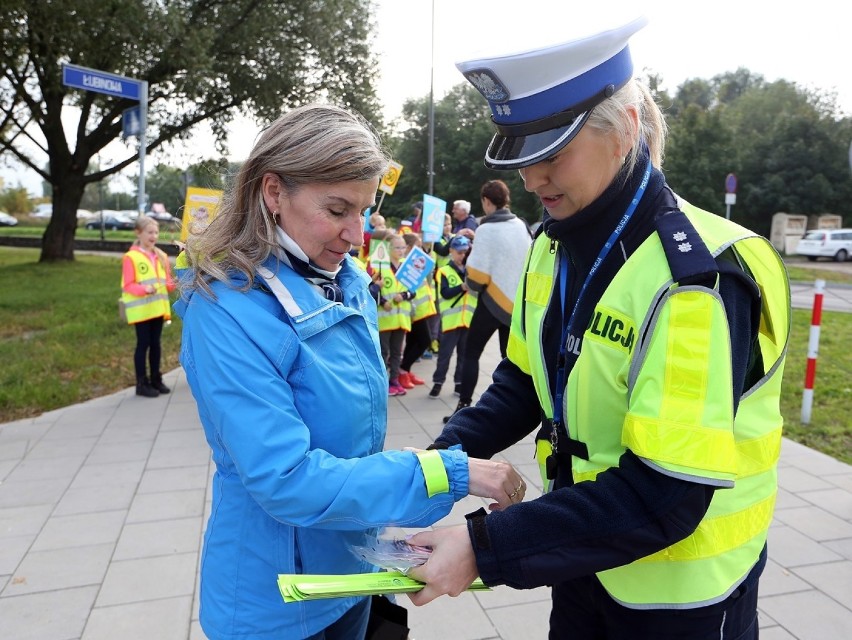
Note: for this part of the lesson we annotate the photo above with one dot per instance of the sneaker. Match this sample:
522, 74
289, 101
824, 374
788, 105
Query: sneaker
405, 380
415, 380
427, 355
395, 390
459, 406
436, 390
435, 346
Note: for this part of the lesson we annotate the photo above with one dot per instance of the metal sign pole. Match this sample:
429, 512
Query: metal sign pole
143, 142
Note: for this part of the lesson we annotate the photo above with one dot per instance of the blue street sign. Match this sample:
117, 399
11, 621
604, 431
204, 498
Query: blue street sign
730, 183
101, 82
131, 122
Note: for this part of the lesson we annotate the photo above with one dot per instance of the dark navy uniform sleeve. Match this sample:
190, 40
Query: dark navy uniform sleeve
507, 412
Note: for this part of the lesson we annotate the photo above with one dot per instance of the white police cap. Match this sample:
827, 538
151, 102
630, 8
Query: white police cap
541, 98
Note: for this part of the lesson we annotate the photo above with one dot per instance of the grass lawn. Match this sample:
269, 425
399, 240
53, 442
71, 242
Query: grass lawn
61, 342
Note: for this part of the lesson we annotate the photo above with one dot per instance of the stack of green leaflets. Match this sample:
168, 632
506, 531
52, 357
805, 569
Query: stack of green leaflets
298, 587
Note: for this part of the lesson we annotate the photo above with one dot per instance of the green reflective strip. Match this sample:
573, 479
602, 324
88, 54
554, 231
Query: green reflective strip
434, 472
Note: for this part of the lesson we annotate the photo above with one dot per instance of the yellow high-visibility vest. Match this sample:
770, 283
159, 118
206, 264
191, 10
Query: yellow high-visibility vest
456, 312
155, 305
399, 315
654, 375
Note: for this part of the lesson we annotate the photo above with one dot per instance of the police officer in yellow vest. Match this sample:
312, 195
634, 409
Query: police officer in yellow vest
649, 344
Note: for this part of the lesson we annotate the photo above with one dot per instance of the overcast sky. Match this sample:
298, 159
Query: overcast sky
807, 43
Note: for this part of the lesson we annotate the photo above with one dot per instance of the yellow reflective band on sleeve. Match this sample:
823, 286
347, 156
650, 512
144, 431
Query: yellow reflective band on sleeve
699, 448
715, 536
687, 357
434, 472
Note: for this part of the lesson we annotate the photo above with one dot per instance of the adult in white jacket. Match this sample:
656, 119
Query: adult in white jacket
281, 351
494, 269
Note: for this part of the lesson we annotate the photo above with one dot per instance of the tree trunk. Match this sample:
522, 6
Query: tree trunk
58, 239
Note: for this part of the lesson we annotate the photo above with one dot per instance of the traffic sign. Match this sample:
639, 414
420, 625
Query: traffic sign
731, 183
131, 122
121, 87
101, 82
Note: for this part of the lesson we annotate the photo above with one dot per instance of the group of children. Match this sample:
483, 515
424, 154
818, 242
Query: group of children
439, 310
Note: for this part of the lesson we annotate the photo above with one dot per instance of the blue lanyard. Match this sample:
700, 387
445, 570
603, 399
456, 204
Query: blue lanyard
563, 277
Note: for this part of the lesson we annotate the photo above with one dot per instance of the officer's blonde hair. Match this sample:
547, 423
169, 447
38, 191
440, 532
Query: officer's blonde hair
312, 144
611, 116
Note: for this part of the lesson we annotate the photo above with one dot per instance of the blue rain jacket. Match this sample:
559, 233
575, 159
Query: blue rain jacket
294, 408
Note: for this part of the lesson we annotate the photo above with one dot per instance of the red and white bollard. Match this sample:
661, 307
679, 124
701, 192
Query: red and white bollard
813, 352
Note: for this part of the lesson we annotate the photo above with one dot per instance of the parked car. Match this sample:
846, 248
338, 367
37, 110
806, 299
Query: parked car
6, 220
166, 220
113, 220
43, 211
835, 244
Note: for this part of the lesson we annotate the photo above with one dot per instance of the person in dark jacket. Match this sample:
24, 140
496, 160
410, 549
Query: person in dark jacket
648, 341
462, 218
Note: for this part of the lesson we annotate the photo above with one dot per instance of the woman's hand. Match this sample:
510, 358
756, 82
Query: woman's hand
450, 569
149, 289
498, 481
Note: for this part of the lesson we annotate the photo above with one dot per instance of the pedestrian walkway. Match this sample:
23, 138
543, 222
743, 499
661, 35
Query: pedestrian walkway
103, 504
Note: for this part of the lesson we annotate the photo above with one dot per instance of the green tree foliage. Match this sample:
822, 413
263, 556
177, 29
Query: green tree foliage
787, 146
463, 130
15, 200
168, 184
204, 60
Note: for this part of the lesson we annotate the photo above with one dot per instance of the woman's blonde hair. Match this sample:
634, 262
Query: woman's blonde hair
312, 144
611, 116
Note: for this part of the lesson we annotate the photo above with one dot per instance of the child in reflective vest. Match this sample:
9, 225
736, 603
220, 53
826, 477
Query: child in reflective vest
418, 340
146, 281
394, 314
456, 304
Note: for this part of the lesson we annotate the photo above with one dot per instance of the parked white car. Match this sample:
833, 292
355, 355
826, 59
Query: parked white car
43, 211
835, 244
7, 220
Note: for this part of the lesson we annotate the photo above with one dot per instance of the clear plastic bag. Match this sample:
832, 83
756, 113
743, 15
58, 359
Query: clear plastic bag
394, 554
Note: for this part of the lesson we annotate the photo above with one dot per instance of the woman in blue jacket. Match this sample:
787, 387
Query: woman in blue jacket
281, 351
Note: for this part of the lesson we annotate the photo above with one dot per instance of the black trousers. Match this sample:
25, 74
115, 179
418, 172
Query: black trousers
454, 340
148, 334
582, 610
416, 342
482, 327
